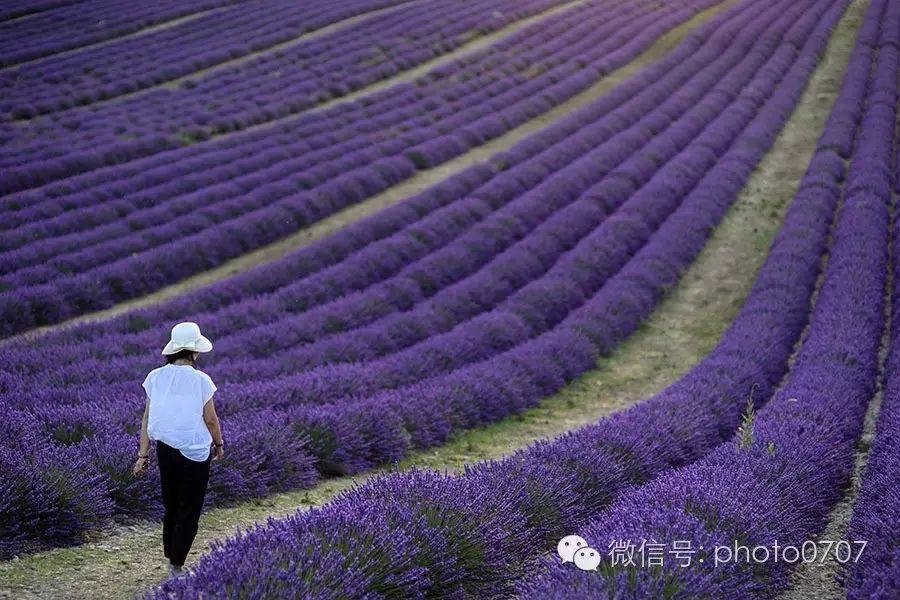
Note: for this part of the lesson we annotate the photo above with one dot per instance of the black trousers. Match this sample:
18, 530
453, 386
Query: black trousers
183, 489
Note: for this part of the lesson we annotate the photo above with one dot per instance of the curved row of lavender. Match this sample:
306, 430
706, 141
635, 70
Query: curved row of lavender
73, 25
270, 447
412, 535
97, 74
777, 483
877, 509
875, 514
268, 87
260, 206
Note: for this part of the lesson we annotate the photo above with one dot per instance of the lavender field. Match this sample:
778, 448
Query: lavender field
480, 276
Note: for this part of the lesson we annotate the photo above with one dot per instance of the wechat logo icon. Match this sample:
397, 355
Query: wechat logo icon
574, 549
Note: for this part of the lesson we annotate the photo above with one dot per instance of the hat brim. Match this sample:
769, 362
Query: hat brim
201, 344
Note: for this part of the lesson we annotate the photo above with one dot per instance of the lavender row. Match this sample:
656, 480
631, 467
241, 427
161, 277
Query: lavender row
526, 502
49, 496
167, 118
875, 513
264, 225
99, 74
90, 22
776, 483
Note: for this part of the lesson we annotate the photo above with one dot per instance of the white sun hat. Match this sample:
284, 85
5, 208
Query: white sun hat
186, 336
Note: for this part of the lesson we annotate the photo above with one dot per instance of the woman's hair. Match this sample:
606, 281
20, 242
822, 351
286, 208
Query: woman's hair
181, 355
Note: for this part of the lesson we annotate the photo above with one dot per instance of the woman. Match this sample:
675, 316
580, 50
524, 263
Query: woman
181, 417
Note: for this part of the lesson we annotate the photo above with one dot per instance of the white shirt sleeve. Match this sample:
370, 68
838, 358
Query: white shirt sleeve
147, 383
208, 387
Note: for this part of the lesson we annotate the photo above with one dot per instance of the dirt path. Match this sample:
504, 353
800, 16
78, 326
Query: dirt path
417, 183
126, 561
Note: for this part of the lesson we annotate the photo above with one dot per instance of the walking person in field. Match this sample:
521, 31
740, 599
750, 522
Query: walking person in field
181, 417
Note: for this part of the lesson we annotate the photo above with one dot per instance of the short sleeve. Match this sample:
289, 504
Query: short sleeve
147, 383
208, 387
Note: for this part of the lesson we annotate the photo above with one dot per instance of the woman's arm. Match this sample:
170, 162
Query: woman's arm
215, 429
143, 460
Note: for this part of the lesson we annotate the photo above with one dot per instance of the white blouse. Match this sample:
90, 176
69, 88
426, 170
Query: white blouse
177, 396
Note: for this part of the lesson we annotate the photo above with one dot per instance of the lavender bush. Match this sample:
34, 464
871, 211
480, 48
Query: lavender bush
49, 495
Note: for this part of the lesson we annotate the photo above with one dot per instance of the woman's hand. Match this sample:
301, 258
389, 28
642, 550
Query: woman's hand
218, 452
143, 460
141, 465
